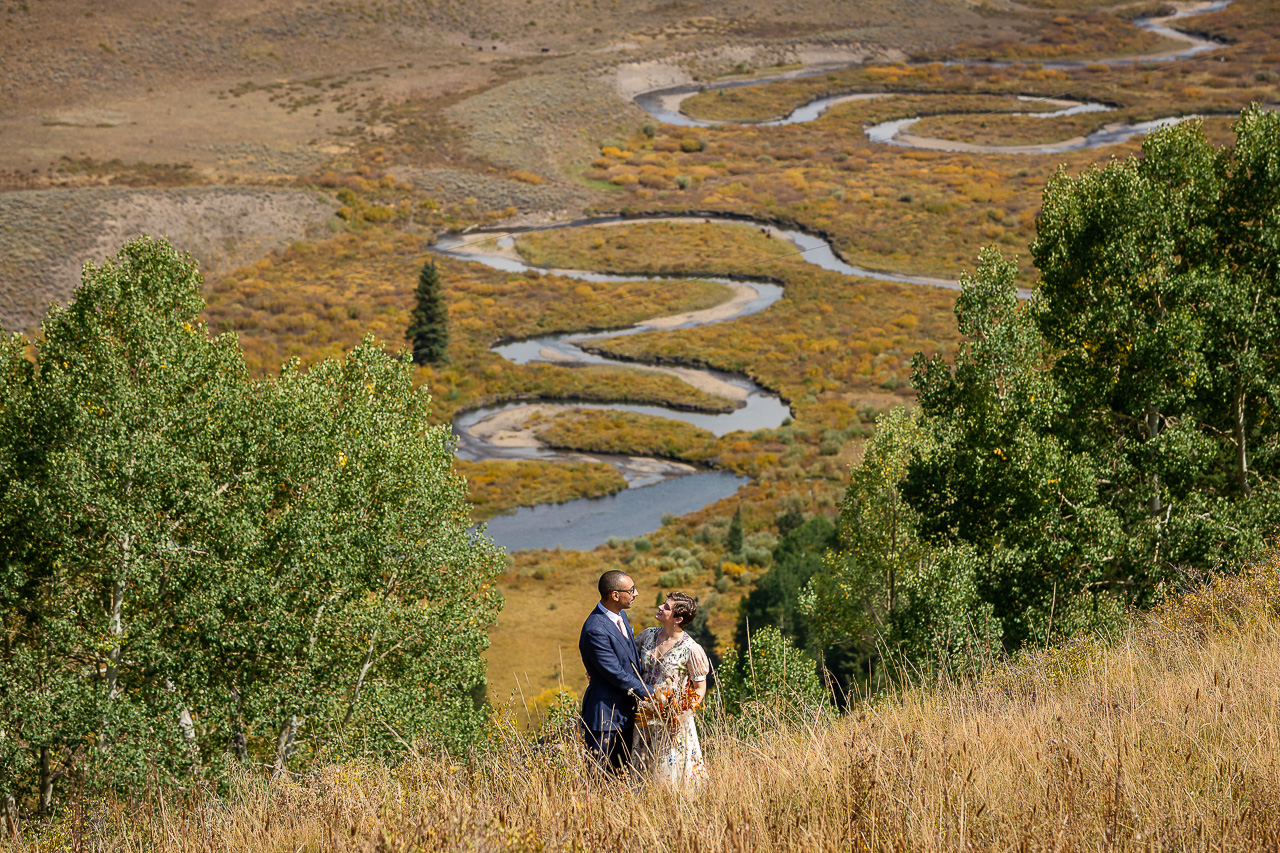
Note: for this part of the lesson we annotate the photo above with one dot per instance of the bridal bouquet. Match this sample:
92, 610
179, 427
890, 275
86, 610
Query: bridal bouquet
666, 705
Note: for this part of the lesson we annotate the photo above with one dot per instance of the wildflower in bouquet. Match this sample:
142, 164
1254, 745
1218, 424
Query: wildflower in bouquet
668, 706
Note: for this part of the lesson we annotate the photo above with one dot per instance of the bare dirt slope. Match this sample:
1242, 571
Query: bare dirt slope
46, 236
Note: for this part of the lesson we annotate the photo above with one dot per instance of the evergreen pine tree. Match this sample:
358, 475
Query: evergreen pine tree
733, 540
429, 323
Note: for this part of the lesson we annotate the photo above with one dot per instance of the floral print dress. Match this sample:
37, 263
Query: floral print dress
670, 754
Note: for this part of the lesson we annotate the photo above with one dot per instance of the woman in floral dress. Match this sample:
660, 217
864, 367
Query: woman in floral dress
665, 747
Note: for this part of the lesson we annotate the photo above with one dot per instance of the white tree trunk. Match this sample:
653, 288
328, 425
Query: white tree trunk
284, 745
364, 670
1153, 429
12, 818
117, 620
46, 781
187, 725
1242, 454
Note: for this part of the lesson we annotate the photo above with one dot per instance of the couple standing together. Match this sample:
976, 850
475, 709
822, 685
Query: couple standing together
638, 708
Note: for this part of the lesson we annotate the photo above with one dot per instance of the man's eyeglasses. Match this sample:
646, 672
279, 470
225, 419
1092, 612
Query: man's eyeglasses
631, 592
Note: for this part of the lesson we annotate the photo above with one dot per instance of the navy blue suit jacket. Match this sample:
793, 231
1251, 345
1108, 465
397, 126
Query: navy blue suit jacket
613, 663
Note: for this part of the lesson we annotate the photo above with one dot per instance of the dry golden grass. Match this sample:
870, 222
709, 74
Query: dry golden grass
1167, 738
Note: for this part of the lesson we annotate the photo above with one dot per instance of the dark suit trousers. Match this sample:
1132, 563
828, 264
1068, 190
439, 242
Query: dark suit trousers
612, 749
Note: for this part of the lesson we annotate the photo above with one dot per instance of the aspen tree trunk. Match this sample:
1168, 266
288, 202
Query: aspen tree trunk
1155, 505
240, 746
1242, 454
46, 781
364, 670
187, 725
893, 552
12, 818
117, 621
238, 743
284, 745
1153, 429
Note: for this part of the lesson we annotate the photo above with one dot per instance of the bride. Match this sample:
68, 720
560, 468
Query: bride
665, 746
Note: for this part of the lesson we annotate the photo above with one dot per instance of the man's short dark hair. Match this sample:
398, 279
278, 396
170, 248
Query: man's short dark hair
612, 581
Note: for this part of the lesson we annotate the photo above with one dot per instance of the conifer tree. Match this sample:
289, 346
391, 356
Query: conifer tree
429, 323
733, 539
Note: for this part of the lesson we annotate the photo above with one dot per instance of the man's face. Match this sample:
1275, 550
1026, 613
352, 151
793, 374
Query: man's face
627, 595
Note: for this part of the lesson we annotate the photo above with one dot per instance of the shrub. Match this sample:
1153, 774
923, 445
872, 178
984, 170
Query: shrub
771, 671
378, 213
681, 576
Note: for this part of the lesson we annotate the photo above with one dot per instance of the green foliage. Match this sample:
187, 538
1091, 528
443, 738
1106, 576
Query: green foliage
1085, 452
883, 595
771, 671
1161, 300
194, 561
733, 538
776, 599
429, 323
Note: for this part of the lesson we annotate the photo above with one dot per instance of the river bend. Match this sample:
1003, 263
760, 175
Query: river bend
660, 487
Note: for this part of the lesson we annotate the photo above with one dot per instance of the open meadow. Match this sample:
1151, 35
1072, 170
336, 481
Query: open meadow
313, 156
1165, 737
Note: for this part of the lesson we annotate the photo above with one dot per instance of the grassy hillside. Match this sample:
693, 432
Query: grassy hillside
1166, 737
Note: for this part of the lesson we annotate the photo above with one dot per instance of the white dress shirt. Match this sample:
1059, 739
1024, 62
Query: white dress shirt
616, 619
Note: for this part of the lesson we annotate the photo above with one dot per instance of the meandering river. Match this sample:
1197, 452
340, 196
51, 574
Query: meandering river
664, 104
660, 487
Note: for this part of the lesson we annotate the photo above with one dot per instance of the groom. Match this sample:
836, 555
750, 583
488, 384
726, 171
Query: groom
613, 669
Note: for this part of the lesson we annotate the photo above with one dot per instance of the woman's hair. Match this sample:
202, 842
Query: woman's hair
683, 607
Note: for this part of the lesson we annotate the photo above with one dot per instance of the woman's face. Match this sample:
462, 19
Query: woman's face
665, 616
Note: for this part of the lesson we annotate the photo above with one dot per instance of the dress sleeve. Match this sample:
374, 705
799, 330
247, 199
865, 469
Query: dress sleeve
699, 666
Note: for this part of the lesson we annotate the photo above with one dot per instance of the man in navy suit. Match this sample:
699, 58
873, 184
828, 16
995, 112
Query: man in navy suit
613, 667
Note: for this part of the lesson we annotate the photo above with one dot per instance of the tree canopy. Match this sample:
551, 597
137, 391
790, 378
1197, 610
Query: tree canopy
1116, 436
193, 562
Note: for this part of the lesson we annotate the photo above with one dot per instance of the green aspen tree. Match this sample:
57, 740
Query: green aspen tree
1001, 476
199, 563
115, 514
1159, 297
